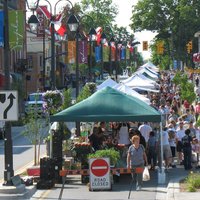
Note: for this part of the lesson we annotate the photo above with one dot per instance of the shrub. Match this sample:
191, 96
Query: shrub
193, 182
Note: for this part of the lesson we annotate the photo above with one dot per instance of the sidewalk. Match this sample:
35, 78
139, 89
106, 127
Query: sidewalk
173, 187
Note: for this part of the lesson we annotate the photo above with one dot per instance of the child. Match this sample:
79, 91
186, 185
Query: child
195, 151
151, 150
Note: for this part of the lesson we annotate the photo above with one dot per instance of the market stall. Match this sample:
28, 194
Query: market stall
108, 105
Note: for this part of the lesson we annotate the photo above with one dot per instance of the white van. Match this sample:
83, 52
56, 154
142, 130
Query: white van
34, 102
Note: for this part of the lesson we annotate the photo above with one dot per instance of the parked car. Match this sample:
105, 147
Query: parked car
2, 129
34, 102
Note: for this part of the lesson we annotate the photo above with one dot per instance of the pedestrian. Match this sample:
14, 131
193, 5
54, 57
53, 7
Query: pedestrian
187, 150
167, 154
197, 81
197, 110
172, 143
152, 150
136, 159
133, 132
180, 132
145, 129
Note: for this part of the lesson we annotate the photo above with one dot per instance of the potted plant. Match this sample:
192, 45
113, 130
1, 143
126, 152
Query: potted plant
107, 153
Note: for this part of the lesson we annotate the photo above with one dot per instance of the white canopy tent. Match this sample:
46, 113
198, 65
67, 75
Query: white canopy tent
127, 90
151, 66
152, 75
137, 81
146, 78
145, 89
107, 82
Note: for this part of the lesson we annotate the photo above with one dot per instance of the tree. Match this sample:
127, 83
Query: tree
175, 21
103, 12
67, 102
87, 91
186, 87
34, 130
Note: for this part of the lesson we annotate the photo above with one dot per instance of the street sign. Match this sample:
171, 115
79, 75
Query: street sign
8, 105
99, 173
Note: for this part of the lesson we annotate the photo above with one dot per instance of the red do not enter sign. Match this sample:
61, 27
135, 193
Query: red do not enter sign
99, 167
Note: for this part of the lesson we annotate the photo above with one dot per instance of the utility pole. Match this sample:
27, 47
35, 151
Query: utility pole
8, 172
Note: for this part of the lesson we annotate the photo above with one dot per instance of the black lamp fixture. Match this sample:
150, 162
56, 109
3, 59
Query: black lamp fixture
32, 5
73, 23
33, 20
92, 34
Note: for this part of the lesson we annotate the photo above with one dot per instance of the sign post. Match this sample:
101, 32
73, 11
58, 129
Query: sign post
100, 174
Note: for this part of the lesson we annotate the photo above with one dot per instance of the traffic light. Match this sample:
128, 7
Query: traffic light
160, 47
189, 46
145, 45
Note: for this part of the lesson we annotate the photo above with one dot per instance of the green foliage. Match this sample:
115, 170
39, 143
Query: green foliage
186, 87
177, 78
33, 125
67, 94
87, 91
175, 21
34, 130
103, 12
107, 153
187, 92
193, 182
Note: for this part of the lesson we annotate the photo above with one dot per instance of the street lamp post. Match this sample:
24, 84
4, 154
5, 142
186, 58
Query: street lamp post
73, 24
8, 172
53, 81
92, 38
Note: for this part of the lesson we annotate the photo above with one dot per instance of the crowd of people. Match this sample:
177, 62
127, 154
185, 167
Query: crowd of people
180, 131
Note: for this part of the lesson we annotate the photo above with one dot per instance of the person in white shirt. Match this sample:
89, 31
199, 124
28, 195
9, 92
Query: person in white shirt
180, 133
167, 154
145, 130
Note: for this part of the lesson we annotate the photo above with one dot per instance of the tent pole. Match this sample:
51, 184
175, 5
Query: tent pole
161, 172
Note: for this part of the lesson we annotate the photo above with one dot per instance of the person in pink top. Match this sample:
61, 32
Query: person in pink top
197, 110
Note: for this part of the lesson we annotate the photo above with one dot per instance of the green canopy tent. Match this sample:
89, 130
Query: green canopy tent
108, 105
111, 105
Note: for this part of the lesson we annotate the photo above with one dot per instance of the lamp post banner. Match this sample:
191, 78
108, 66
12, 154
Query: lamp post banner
105, 53
118, 54
16, 29
71, 52
127, 53
41, 17
113, 53
123, 53
83, 52
1, 28
98, 55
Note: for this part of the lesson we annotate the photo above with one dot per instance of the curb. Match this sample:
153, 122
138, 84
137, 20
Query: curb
173, 187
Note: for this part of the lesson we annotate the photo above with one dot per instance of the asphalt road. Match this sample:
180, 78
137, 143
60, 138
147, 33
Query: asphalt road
75, 190
23, 151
